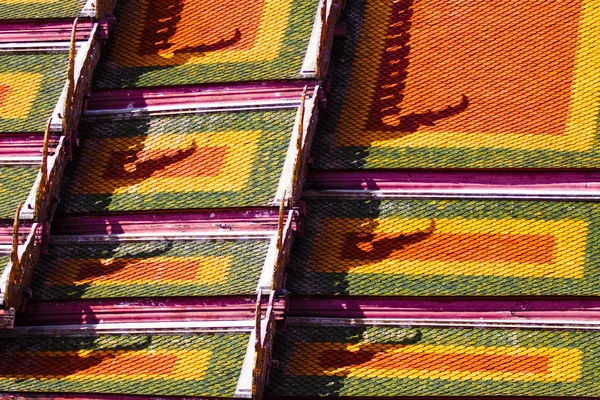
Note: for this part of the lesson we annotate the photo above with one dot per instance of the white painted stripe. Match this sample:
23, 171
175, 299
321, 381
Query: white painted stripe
209, 326
89, 9
309, 65
4, 249
42, 47
268, 269
28, 208
173, 109
18, 160
287, 173
244, 385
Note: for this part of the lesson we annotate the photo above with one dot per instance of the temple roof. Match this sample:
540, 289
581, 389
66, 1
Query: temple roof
20, 10
179, 162
200, 364
157, 237
32, 85
167, 42
464, 85
151, 268
446, 248
395, 361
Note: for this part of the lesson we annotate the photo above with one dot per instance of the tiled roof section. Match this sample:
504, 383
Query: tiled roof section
190, 161
199, 365
149, 269
30, 86
19, 9
439, 248
4, 259
465, 85
15, 184
171, 42
434, 362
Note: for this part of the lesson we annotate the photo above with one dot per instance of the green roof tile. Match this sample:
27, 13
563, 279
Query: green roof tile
172, 43
149, 269
464, 85
447, 248
190, 365
41, 9
178, 162
30, 86
378, 362
15, 184
3, 263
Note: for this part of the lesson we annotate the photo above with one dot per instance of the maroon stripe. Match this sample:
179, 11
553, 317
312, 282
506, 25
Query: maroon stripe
48, 31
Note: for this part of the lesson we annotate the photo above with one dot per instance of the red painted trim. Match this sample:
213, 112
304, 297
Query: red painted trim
6, 230
165, 222
25, 144
242, 308
51, 31
583, 181
452, 308
214, 94
211, 308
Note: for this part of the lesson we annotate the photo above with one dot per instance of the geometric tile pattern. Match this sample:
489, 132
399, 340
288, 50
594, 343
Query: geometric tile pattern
435, 362
163, 42
15, 184
149, 269
467, 85
187, 161
24, 9
30, 86
3, 263
447, 248
199, 365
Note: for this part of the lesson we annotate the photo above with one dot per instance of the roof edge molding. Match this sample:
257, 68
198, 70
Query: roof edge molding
536, 184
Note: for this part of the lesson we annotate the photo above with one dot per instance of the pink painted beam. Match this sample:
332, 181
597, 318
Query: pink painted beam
584, 184
6, 231
50, 31
25, 144
257, 94
165, 222
510, 309
212, 308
